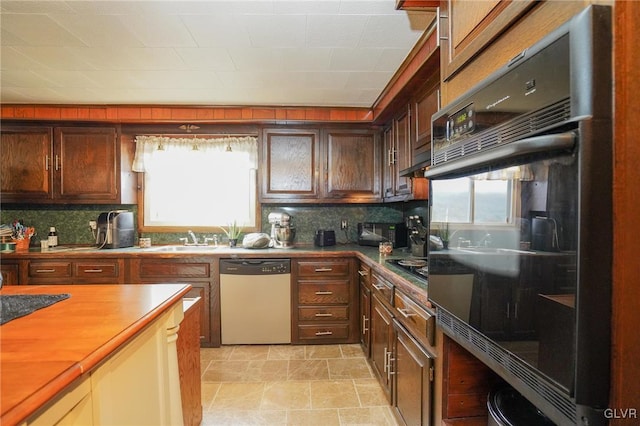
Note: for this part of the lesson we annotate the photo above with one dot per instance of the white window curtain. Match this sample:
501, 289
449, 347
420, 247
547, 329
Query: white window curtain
198, 182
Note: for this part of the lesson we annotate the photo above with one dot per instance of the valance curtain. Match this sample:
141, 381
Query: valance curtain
150, 148
199, 181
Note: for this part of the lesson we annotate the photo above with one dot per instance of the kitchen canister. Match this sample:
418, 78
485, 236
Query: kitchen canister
144, 242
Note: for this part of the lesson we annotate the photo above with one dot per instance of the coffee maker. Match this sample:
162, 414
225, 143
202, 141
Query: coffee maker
282, 231
418, 236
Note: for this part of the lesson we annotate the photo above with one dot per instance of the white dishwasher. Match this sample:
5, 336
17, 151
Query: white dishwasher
255, 301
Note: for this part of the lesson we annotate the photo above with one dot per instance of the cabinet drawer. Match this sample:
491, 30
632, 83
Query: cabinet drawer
364, 272
60, 269
96, 269
338, 268
319, 332
323, 313
326, 293
415, 317
168, 269
382, 287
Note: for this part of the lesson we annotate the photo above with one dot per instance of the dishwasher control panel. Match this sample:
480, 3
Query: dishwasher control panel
255, 266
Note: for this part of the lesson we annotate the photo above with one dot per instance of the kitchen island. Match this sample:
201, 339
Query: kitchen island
106, 354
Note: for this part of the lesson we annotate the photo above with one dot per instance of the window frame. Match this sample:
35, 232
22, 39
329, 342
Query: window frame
140, 198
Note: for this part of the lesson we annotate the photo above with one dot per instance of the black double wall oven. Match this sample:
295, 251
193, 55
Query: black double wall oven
525, 282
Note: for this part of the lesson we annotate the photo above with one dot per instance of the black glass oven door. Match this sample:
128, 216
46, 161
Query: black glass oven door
509, 268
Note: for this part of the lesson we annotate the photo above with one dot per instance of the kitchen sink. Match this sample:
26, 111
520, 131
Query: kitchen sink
174, 249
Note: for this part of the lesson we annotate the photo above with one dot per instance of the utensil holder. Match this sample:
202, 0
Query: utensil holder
23, 244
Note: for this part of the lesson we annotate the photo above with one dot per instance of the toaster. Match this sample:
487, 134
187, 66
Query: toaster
325, 238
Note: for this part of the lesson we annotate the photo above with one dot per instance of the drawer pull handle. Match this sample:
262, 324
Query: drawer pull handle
379, 286
324, 333
324, 269
406, 312
45, 271
364, 325
92, 271
323, 315
323, 293
362, 273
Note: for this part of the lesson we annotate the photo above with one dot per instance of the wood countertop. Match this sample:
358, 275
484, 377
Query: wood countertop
44, 352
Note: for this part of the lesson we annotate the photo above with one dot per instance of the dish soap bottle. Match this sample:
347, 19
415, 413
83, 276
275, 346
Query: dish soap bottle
53, 237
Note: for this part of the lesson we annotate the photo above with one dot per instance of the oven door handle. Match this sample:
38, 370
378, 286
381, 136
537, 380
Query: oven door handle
535, 145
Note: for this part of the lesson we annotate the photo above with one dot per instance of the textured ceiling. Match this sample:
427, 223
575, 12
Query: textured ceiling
234, 52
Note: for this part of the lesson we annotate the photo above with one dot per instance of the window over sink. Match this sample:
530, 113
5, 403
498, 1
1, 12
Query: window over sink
198, 182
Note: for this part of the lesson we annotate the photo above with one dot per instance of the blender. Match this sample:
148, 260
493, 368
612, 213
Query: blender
282, 232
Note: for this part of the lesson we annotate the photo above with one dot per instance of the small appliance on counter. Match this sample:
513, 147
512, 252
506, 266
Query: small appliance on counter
418, 236
372, 234
115, 229
282, 231
325, 238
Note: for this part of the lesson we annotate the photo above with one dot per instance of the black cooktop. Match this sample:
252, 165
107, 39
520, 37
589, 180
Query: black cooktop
416, 266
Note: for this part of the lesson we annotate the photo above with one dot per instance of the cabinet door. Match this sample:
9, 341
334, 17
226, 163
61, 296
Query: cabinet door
365, 319
26, 163
85, 164
413, 379
10, 273
291, 158
402, 157
388, 169
381, 343
468, 27
352, 160
425, 106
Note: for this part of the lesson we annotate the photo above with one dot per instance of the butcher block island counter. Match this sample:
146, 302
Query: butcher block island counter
104, 355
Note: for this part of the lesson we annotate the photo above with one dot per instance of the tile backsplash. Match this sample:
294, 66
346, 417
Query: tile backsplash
72, 221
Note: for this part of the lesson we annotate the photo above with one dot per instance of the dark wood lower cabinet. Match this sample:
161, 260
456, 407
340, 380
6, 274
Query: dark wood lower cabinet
413, 379
188, 346
403, 365
381, 343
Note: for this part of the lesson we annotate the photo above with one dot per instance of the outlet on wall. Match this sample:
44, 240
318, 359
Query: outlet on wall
343, 224
93, 225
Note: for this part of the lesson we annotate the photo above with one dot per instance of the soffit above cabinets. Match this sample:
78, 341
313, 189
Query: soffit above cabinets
204, 52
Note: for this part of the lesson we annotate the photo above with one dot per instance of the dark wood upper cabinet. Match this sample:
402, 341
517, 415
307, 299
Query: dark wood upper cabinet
26, 171
290, 163
320, 165
352, 164
77, 165
85, 164
467, 28
425, 105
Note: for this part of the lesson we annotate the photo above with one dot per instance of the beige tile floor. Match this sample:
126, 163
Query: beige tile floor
291, 385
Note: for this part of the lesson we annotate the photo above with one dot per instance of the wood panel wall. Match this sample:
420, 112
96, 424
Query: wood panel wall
192, 114
625, 390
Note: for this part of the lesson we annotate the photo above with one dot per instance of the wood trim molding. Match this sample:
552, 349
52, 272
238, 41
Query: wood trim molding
193, 114
418, 5
625, 348
421, 62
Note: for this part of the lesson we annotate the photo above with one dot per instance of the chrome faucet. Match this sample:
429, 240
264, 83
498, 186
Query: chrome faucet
485, 241
214, 239
193, 237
